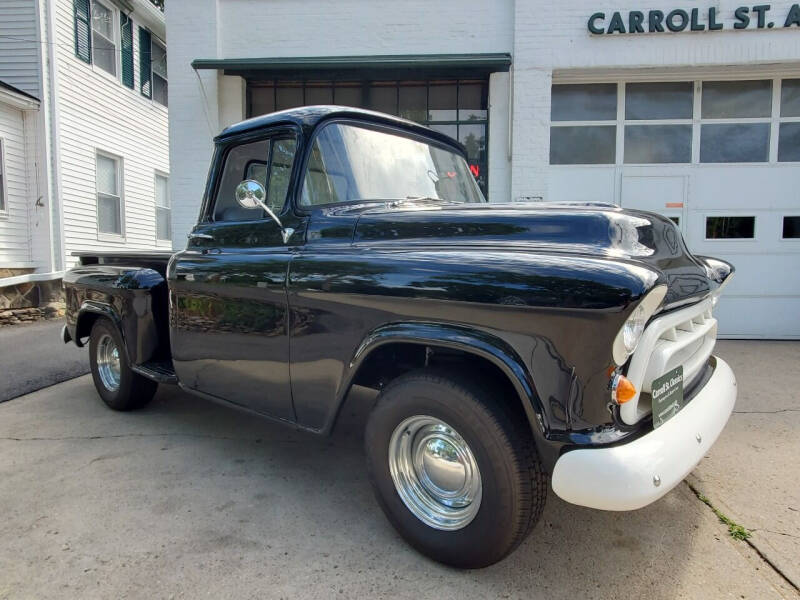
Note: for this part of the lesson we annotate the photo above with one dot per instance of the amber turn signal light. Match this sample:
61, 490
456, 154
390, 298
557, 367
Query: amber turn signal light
622, 389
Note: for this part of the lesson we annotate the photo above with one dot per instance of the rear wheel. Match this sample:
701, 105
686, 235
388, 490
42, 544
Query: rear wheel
454, 468
118, 386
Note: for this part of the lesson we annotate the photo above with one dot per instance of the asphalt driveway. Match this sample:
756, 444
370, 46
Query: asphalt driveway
32, 356
189, 499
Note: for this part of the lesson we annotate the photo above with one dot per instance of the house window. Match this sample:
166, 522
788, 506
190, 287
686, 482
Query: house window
158, 58
104, 47
3, 201
152, 67
109, 195
458, 108
583, 124
720, 228
163, 209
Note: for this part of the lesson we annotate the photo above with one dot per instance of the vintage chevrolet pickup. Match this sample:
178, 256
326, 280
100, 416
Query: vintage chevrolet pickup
511, 344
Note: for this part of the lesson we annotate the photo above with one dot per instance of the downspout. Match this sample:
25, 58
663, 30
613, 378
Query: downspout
50, 71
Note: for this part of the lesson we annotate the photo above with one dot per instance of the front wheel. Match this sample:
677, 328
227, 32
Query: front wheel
118, 386
454, 468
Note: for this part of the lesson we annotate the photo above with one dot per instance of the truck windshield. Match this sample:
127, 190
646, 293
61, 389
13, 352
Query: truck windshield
349, 163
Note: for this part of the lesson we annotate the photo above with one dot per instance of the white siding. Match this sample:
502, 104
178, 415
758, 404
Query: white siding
96, 112
15, 250
19, 46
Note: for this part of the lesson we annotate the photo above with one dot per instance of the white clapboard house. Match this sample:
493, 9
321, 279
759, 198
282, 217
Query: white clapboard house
83, 135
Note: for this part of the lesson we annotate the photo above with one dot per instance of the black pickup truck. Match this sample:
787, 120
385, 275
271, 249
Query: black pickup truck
513, 345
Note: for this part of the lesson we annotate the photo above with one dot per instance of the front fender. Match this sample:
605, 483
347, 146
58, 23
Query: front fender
445, 335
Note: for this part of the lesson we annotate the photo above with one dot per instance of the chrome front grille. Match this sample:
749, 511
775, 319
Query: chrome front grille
683, 337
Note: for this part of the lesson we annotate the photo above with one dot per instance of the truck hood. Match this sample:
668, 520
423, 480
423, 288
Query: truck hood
599, 231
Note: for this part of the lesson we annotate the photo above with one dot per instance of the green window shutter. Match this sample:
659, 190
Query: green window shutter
83, 30
145, 76
126, 35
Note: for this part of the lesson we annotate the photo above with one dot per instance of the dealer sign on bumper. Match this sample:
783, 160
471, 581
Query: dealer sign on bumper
667, 396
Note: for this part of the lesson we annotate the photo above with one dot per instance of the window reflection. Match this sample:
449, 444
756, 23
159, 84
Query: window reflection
457, 108
350, 163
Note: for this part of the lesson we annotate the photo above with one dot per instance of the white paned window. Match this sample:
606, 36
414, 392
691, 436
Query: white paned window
104, 38
159, 65
735, 121
675, 122
789, 128
109, 195
3, 199
583, 124
658, 122
163, 209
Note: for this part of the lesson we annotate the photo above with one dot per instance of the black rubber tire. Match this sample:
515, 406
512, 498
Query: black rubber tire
514, 481
134, 391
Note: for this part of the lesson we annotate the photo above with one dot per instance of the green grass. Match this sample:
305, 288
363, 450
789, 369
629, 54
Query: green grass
735, 530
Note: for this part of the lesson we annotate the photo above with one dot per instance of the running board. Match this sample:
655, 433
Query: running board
161, 372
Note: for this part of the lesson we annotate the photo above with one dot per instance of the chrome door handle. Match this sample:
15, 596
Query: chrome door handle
199, 236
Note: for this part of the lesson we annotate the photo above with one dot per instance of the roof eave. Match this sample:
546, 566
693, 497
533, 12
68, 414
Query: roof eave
303, 65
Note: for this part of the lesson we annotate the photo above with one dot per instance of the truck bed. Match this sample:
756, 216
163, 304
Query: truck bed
156, 260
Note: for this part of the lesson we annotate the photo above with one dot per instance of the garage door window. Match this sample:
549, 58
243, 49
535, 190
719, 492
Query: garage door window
721, 228
658, 122
584, 124
791, 228
675, 122
789, 131
735, 121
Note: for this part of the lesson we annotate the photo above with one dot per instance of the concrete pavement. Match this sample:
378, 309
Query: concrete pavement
189, 499
752, 473
32, 357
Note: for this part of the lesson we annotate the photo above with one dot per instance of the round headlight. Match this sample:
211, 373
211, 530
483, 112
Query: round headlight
633, 329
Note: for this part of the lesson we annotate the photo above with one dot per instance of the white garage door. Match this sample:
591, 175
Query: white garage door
722, 158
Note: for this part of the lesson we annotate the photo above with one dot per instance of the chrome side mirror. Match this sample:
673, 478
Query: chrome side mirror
251, 194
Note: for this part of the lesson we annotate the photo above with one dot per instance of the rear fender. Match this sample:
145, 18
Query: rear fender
134, 300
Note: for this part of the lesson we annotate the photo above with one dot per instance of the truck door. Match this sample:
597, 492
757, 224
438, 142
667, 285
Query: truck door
228, 298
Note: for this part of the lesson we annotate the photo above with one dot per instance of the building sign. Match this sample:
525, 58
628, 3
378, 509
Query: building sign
657, 21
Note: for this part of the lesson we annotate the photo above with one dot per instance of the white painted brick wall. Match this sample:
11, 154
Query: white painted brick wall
555, 37
253, 28
542, 37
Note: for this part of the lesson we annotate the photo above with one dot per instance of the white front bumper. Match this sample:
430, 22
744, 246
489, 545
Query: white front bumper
624, 477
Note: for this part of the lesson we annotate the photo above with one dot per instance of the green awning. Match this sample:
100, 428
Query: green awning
371, 67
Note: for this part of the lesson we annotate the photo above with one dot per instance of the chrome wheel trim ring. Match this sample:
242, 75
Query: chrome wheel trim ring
435, 473
108, 366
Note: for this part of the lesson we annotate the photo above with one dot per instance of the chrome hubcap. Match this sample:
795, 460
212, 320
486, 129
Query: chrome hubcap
435, 473
108, 363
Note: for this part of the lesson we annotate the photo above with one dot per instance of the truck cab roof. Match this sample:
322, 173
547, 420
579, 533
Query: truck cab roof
309, 117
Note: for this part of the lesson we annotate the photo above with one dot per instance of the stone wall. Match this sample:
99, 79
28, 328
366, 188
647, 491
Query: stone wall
30, 301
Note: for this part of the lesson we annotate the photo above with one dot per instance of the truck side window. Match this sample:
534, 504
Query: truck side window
281, 160
267, 161
242, 162
326, 180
